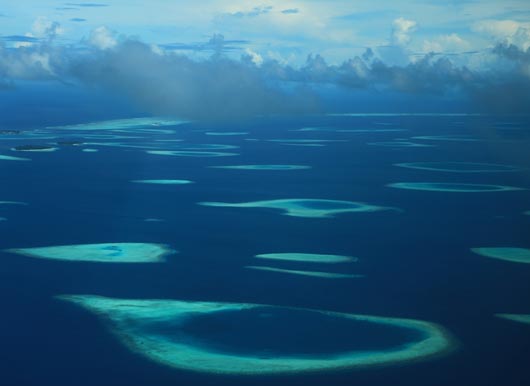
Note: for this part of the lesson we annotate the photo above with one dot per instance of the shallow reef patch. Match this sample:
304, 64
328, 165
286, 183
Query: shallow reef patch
452, 187
513, 254
163, 182
203, 336
520, 318
321, 274
100, 253
301, 207
183, 153
459, 167
307, 257
262, 167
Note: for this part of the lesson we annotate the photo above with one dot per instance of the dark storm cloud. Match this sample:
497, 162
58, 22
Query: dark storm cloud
217, 88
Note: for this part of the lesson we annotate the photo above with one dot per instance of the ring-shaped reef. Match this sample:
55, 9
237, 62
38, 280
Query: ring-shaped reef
307, 257
163, 182
101, 253
452, 187
520, 318
303, 207
199, 154
253, 339
321, 274
513, 254
459, 167
262, 167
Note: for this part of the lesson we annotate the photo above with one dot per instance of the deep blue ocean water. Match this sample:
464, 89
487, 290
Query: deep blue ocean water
417, 262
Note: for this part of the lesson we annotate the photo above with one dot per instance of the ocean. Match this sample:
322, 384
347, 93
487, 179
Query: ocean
414, 254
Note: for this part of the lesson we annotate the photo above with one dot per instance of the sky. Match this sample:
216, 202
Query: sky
259, 57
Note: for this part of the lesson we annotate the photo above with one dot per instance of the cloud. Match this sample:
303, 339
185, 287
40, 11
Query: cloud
290, 11
34, 62
446, 43
87, 5
216, 44
509, 32
401, 30
498, 29
46, 29
218, 87
254, 57
256, 11
77, 19
102, 38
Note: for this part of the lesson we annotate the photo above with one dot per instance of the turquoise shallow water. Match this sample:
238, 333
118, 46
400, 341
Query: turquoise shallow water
416, 262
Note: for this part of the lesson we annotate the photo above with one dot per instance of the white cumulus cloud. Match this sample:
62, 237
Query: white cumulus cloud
401, 30
103, 38
446, 43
